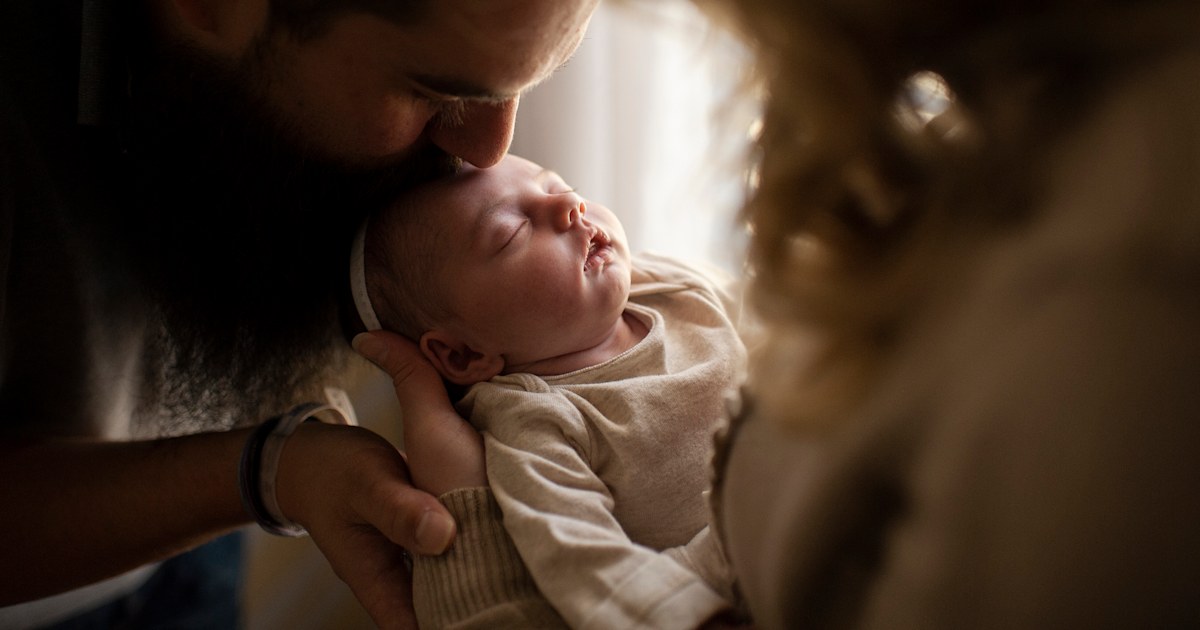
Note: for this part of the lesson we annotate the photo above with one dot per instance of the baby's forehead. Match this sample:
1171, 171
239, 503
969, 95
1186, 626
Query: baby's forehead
470, 192
512, 168
498, 180
517, 162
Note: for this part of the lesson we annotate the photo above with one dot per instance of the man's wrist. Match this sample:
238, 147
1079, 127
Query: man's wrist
259, 465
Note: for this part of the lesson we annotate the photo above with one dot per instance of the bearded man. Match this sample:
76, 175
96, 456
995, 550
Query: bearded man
179, 184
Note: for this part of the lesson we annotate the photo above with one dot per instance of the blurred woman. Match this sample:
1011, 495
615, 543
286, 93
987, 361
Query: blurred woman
976, 247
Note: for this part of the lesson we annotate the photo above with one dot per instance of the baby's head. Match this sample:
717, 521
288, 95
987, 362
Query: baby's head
490, 270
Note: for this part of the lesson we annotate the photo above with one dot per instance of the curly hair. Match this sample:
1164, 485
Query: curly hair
859, 214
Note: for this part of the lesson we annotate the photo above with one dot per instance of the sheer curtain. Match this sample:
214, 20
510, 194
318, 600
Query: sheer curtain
643, 120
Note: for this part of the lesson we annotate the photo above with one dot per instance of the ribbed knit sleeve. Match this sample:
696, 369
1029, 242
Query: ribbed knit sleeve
480, 582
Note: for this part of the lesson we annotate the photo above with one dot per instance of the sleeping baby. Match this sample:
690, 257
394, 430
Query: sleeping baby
597, 381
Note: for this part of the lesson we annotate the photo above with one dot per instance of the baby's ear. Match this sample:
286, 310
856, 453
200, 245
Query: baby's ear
456, 361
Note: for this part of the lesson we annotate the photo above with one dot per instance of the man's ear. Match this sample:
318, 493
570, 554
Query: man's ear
456, 361
224, 26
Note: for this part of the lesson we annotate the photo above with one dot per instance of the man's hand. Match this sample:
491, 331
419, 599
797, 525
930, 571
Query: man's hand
351, 490
444, 452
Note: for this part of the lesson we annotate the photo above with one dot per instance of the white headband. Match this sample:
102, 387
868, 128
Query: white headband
358, 281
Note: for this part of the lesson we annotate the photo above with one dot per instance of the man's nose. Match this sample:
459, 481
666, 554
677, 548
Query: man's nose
480, 136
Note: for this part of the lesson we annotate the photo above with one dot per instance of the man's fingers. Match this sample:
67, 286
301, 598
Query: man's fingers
410, 518
393, 354
376, 571
417, 383
435, 531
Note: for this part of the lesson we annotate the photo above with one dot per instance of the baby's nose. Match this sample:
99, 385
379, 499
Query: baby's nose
572, 214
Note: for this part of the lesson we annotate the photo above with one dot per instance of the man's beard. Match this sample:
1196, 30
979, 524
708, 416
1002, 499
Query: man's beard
241, 236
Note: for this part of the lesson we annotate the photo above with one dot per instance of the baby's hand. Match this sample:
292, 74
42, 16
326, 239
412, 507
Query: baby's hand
444, 452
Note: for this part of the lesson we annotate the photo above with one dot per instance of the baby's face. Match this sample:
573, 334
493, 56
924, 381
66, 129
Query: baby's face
535, 270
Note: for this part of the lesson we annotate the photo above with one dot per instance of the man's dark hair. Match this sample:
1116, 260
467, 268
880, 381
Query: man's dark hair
307, 19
